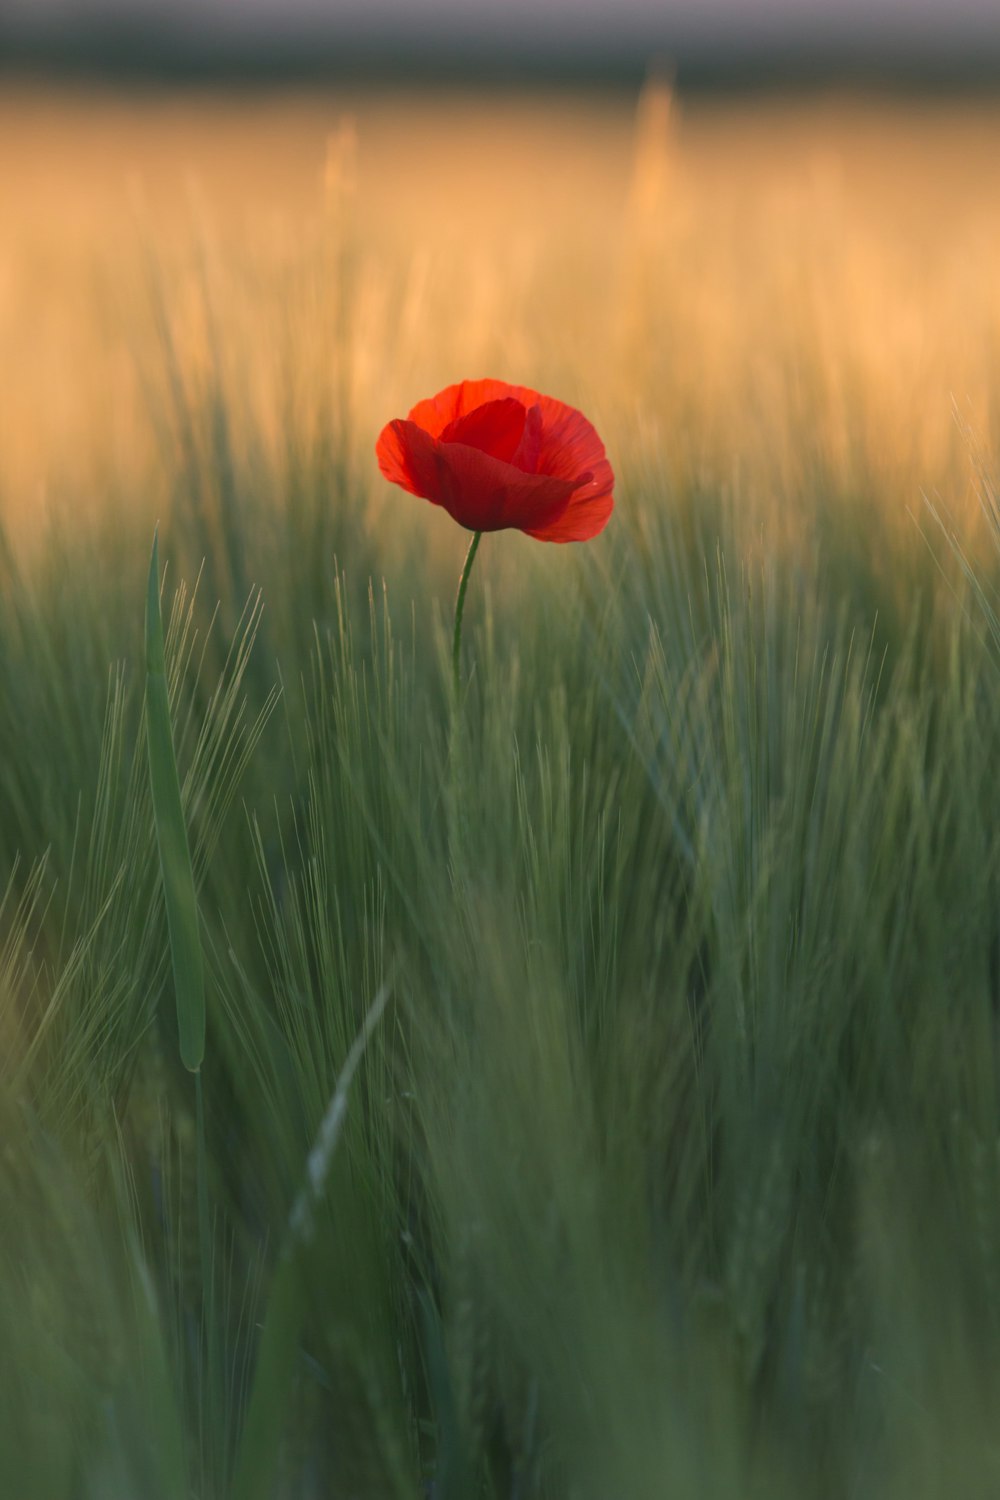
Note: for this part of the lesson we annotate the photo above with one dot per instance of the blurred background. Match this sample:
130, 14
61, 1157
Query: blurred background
710, 215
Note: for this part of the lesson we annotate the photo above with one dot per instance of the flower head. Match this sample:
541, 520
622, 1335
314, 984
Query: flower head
500, 456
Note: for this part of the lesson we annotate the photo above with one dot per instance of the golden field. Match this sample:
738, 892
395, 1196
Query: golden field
764, 289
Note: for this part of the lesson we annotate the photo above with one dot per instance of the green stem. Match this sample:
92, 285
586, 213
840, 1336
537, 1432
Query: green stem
463, 584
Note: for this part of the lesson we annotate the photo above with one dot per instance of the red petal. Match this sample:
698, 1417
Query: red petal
456, 401
479, 491
485, 494
555, 482
496, 427
571, 448
526, 457
404, 459
570, 444
586, 514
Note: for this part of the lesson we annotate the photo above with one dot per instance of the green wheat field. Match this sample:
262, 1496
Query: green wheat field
599, 1095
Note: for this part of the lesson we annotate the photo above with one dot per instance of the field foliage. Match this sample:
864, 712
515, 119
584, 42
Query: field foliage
600, 1082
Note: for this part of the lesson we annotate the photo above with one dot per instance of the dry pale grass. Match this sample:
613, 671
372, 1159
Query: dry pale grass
782, 296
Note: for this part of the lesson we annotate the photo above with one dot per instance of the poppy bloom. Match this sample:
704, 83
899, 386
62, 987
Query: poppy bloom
499, 456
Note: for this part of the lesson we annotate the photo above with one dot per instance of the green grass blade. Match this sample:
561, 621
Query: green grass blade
453, 1479
272, 1383
171, 838
156, 1389
287, 1305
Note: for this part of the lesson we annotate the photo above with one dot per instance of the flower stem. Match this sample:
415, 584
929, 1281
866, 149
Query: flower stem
463, 584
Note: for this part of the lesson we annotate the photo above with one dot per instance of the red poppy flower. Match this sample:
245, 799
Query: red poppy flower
497, 456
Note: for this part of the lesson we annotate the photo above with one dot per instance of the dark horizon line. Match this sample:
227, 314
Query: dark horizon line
144, 54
